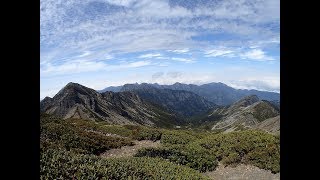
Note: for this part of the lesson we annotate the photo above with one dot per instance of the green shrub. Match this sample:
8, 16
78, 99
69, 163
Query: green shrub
232, 158
177, 137
144, 133
251, 147
193, 158
101, 127
65, 165
72, 138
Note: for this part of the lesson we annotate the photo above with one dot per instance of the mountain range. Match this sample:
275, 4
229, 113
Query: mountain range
77, 101
165, 106
218, 93
184, 103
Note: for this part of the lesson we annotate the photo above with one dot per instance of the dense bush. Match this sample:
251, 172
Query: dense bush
66, 165
144, 133
71, 138
249, 147
99, 127
178, 137
194, 159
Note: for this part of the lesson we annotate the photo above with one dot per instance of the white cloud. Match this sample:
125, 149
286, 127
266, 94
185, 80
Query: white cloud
150, 24
80, 36
149, 55
264, 84
256, 54
180, 51
70, 67
139, 64
183, 60
80, 66
217, 52
122, 2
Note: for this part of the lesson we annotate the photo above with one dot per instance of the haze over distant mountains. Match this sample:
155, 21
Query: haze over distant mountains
157, 105
218, 93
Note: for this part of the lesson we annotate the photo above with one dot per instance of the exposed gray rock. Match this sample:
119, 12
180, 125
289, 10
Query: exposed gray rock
184, 103
246, 113
271, 125
77, 101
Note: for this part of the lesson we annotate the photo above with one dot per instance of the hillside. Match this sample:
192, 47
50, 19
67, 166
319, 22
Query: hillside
78, 149
271, 125
77, 101
248, 112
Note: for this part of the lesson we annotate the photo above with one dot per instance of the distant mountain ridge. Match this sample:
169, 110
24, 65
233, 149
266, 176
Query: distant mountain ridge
77, 101
218, 93
184, 103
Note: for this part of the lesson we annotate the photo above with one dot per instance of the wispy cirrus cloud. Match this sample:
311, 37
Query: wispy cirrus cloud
138, 64
251, 53
90, 38
180, 51
149, 55
75, 67
217, 52
128, 25
183, 60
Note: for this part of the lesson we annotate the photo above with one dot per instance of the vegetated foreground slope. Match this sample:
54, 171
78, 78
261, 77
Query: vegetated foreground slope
71, 148
77, 101
218, 93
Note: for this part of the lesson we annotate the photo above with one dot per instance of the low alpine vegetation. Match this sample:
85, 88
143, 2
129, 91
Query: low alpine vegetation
66, 165
248, 147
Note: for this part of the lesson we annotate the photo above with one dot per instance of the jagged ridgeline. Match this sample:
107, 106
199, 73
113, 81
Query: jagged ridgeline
84, 133
77, 101
218, 93
157, 105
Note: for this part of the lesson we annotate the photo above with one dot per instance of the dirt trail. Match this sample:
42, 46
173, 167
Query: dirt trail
126, 151
241, 172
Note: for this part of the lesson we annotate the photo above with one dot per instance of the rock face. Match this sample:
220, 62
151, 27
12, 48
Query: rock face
77, 101
184, 103
248, 112
218, 93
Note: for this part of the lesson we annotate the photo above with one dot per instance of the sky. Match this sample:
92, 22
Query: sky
101, 43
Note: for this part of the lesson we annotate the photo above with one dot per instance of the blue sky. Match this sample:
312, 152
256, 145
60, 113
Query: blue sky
100, 43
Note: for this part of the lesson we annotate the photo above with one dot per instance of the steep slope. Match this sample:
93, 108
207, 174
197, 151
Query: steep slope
184, 103
77, 101
271, 125
218, 93
248, 112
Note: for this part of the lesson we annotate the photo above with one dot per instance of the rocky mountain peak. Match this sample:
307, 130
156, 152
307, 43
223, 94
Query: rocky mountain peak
75, 88
247, 101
